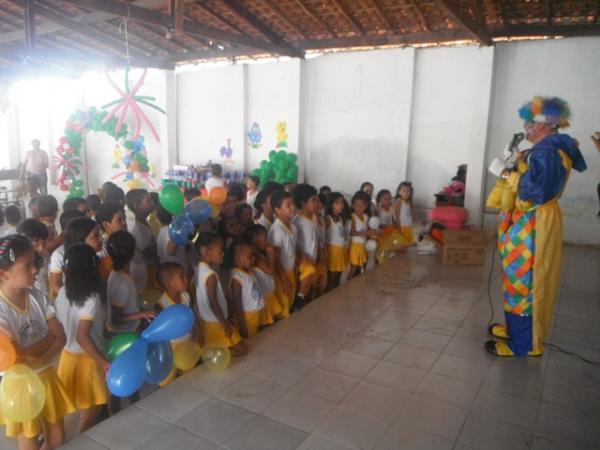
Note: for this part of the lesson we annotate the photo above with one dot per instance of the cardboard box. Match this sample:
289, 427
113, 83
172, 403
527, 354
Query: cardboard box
464, 247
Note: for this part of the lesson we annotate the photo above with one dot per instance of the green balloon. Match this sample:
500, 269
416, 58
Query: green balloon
78, 183
272, 155
292, 157
119, 344
256, 172
282, 154
171, 198
128, 145
264, 164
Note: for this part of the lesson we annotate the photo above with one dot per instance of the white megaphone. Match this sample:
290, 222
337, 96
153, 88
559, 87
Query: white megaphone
500, 165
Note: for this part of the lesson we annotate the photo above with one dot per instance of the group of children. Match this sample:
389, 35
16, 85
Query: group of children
269, 251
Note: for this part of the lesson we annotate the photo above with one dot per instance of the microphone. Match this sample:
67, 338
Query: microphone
516, 140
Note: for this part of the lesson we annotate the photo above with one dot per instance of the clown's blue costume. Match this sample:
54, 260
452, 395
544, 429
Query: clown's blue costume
530, 232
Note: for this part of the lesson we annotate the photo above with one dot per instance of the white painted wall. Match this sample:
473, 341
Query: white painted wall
357, 118
449, 121
569, 68
273, 96
210, 110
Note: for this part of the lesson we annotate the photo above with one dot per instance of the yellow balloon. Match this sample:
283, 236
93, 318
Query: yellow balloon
216, 358
394, 242
381, 255
22, 394
186, 355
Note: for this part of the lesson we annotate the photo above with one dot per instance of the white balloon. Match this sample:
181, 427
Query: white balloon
66, 146
374, 223
371, 245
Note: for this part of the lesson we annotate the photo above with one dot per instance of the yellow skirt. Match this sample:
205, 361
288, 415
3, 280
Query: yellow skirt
83, 378
254, 319
214, 335
338, 261
358, 254
409, 234
272, 306
282, 298
58, 405
306, 269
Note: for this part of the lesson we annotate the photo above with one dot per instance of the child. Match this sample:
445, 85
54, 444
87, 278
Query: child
37, 233
283, 238
32, 208
32, 191
336, 240
190, 194
144, 262
252, 190
153, 221
306, 200
235, 196
29, 321
403, 212
325, 190
79, 308
262, 205
248, 301
264, 269
243, 214
359, 232
167, 250
12, 216
76, 203
172, 280
93, 202
367, 187
123, 307
111, 218
110, 192
229, 230
216, 179
79, 231
211, 303
123, 310
47, 210
385, 211
319, 218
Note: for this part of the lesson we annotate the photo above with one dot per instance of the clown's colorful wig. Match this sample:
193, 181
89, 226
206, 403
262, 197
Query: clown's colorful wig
551, 110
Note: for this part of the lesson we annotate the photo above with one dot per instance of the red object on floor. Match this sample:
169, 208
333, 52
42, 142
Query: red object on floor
452, 217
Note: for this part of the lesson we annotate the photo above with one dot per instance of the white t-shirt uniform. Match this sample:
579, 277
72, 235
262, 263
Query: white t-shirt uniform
262, 220
121, 292
336, 233
406, 219
214, 182
162, 242
308, 236
69, 315
165, 301
202, 301
266, 282
28, 326
360, 225
252, 298
251, 198
57, 260
385, 217
285, 238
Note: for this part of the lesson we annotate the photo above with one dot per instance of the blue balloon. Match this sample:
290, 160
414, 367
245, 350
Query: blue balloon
172, 323
198, 210
159, 362
181, 229
128, 371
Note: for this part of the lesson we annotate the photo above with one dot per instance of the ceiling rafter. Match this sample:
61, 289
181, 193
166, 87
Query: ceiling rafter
340, 6
475, 29
381, 14
420, 15
284, 18
316, 18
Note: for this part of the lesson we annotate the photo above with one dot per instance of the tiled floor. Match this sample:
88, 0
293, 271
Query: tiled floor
392, 360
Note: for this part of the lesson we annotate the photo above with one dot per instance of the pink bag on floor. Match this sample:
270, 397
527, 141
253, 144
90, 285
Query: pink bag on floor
452, 217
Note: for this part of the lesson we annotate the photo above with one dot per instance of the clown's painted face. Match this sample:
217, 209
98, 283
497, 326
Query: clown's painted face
536, 131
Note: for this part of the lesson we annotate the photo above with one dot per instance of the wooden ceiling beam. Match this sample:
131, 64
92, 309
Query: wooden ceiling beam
525, 30
376, 41
283, 17
382, 16
341, 8
259, 25
216, 15
420, 15
213, 54
157, 18
316, 18
462, 20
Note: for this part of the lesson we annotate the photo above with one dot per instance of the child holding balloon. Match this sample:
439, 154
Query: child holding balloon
79, 308
30, 323
211, 304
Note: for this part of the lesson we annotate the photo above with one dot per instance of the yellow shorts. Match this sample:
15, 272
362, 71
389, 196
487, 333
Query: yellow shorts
58, 405
357, 255
282, 298
214, 335
338, 261
254, 319
306, 269
83, 378
409, 234
272, 306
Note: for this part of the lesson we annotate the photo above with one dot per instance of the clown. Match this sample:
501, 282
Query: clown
530, 230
